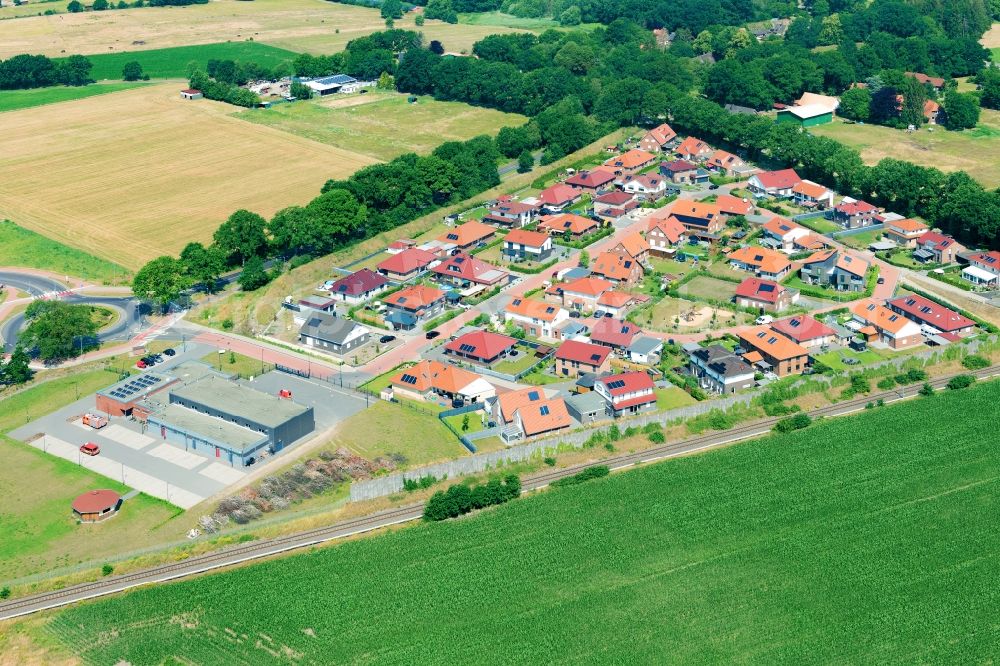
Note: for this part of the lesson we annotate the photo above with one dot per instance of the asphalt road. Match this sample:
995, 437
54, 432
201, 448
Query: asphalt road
129, 317
270, 547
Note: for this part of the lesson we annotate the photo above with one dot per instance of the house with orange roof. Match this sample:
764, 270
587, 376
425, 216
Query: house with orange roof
811, 242
631, 161
664, 235
412, 305
835, 268
634, 245
932, 112
468, 235
812, 195
724, 162
696, 216
528, 413
730, 205
582, 294
617, 267
511, 214
693, 150
521, 244
935, 82
761, 261
432, 380
657, 139
463, 270
536, 318
407, 264
558, 196
891, 328
576, 226
905, 232
618, 303
771, 351
780, 233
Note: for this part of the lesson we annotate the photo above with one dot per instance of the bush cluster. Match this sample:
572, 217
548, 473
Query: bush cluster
460, 499
595, 472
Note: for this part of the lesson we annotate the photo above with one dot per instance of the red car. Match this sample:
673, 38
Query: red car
140, 364
90, 449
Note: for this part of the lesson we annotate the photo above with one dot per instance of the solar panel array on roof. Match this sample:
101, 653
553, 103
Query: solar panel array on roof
766, 288
795, 322
409, 379
544, 410
131, 388
533, 395
595, 357
616, 384
466, 347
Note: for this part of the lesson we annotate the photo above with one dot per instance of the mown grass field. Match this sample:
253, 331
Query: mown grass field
25, 248
297, 25
852, 541
12, 100
382, 125
134, 175
973, 151
173, 63
40, 533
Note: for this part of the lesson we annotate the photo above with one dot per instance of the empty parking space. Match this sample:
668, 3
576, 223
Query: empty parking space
222, 473
177, 456
122, 435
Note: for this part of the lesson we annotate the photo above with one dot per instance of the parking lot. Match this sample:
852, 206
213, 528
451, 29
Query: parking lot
132, 454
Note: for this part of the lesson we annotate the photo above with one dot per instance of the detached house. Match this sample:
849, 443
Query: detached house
631, 162
781, 233
464, 270
648, 187
482, 347
725, 163
468, 235
511, 214
523, 244
766, 295
535, 318
576, 226
407, 264
770, 350
888, 327
634, 245
696, 216
428, 380
983, 269
905, 232
812, 195
558, 196
837, 269
693, 149
664, 235
359, 286
806, 331
528, 413
761, 261
854, 213
617, 267
774, 183
627, 393
593, 182
614, 333
574, 358
614, 205
937, 248
325, 332
413, 305
730, 205
657, 139
679, 171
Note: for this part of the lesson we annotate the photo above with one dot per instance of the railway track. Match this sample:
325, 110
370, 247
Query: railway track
255, 550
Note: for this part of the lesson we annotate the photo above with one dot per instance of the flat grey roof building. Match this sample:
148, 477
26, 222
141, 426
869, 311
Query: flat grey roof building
238, 400
218, 431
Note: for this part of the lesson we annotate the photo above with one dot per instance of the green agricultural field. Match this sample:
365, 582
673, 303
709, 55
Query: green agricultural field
11, 100
852, 541
173, 63
973, 151
499, 19
21, 247
382, 125
40, 533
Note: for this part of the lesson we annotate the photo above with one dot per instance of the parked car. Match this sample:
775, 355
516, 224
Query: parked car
90, 449
763, 319
713, 186
386, 338
141, 364
432, 334
575, 314
881, 280
169, 352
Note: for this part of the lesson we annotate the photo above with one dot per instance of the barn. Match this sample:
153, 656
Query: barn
328, 85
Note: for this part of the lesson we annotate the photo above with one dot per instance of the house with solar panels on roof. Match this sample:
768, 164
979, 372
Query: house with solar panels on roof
330, 85
626, 393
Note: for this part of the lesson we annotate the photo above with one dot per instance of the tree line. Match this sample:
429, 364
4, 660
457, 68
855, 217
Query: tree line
460, 499
223, 91
37, 71
374, 199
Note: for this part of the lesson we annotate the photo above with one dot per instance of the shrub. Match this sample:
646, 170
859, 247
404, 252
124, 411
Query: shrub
614, 433
549, 460
961, 382
656, 437
975, 362
609, 446
797, 422
5, 592
459, 499
595, 472
926, 389
887, 384
107, 570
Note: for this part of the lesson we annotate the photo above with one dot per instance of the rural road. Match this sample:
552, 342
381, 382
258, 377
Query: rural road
270, 547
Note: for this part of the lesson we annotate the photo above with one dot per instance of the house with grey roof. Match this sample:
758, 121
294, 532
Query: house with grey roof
719, 370
645, 350
335, 335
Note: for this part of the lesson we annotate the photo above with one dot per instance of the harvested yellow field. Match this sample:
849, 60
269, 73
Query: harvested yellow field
298, 25
140, 173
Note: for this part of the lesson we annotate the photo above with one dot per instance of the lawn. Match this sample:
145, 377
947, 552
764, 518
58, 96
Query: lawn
671, 397
705, 287
861, 240
173, 63
40, 533
499, 19
520, 363
138, 174
382, 125
973, 151
12, 100
386, 428
236, 364
834, 359
475, 422
852, 541
820, 225
21, 247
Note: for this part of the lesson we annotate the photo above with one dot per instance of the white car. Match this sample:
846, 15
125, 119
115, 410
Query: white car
763, 319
